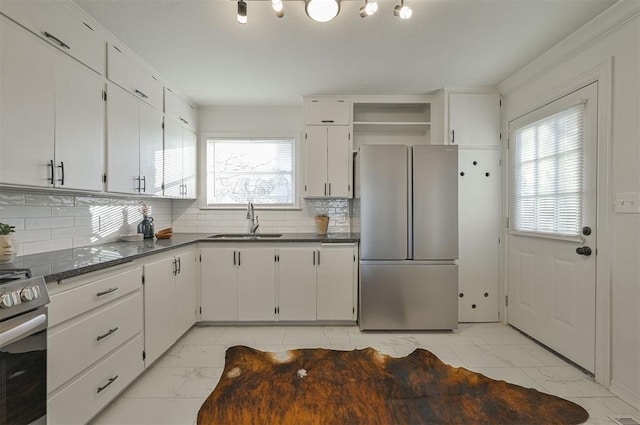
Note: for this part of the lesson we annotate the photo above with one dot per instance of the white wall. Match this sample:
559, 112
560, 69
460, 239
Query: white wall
269, 121
614, 35
51, 221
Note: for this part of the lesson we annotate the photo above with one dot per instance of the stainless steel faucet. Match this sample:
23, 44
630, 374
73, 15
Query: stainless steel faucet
254, 218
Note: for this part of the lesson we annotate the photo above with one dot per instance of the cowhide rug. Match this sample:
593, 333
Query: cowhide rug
328, 387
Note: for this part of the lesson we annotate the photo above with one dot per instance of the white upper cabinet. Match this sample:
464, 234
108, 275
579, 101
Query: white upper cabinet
328, 162
127, 72
134, 145
177, 108
62, 27
55, 104
320, 111
179, 161
474, 119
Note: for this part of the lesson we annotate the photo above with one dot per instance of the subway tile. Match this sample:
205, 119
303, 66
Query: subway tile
70, 212
90, 201
33, 235
37, 199
18, 223
24, 211
48, 223
8, 198
46, 246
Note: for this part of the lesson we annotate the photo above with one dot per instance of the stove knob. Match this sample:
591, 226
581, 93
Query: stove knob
6, 301
27, 294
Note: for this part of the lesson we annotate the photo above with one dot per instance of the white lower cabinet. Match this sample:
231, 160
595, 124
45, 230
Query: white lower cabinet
170, 294
238, 283
336, 289
296, 282
95, 342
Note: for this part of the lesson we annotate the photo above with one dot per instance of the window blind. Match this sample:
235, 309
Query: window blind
256, 170
548, 177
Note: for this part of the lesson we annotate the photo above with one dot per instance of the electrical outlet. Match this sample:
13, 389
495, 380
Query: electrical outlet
627, 203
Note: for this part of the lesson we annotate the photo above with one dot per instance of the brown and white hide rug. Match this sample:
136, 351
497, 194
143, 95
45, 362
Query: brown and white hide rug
329, 387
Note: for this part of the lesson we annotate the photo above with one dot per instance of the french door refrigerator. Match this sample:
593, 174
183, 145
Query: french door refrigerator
409, 237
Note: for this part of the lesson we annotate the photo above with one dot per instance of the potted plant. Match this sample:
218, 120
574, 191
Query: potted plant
8, 244
322, 223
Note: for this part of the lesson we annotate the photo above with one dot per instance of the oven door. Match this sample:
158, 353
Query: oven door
23, 369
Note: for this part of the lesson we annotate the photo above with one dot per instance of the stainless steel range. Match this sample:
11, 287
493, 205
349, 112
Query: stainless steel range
23, 347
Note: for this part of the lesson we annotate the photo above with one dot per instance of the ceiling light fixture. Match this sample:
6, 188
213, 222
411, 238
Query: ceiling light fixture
369, 8
322, 10
278, 8
404, 12
242, 12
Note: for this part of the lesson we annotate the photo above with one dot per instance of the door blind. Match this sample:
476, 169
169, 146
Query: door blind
548, 174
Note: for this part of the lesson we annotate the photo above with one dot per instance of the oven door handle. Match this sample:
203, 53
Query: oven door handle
21, 330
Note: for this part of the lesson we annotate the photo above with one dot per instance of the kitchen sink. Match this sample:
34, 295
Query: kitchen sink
245, 236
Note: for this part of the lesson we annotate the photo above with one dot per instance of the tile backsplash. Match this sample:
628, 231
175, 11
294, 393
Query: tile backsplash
47, 222
188, 217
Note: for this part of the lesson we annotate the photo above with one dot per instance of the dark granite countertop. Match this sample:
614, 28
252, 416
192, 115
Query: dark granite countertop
66, 263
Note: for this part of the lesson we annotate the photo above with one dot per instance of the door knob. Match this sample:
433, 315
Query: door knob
584, 250
586, 230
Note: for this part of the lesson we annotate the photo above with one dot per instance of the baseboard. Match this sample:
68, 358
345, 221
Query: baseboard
625, 394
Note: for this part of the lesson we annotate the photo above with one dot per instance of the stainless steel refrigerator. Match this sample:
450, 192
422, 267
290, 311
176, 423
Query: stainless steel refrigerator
409, 237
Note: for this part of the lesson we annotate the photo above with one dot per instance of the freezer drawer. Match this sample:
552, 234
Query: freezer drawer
408, 296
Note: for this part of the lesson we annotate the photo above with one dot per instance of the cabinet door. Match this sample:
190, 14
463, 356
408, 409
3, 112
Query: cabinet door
336, 280
151, 150
474, 119
297, 283
189, 164
179, 110
27, 107
316, 162
159, 308
79, 134
61, 26
339, 162
219, 284
125, 70
172, 158
327, 112
123, 141
256, 284
186, 291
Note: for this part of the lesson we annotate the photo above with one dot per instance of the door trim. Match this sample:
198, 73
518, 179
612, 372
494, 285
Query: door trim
602, 74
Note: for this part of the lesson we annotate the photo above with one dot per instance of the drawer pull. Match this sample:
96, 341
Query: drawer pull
107, 334
102, 388
139, 93
56, 39
108, 291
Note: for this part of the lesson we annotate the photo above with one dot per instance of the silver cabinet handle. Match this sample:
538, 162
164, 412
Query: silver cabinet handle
144, 183
104, 387
57, 40
109, 332
61, 167
141, 94
52, 167
105, 292
318, 257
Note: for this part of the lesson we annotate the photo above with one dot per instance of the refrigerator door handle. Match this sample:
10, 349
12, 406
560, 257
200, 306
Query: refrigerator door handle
409, 202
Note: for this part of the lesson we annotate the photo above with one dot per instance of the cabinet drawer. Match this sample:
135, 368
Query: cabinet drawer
73, 348
76, 301
327, 112
87, 395
125, 70
177, 108
61, 26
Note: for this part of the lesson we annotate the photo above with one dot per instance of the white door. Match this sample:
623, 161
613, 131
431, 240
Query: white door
79, 146
219, 276
297, 283
159, 304
336, 278
151, 150
27, 107
189, 164
123, 141
256, 284
316, 163
339, 162
552, 235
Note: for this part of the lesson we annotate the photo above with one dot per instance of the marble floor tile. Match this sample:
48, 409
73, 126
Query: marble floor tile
172, 389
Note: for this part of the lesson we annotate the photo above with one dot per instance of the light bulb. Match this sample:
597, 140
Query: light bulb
278, 8
402, 11
368, 9
322, 10
242, 12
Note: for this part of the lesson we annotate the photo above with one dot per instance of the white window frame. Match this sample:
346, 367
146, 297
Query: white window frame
514, 125
205, 137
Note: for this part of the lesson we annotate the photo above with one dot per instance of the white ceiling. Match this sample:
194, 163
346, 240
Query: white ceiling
198, 46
